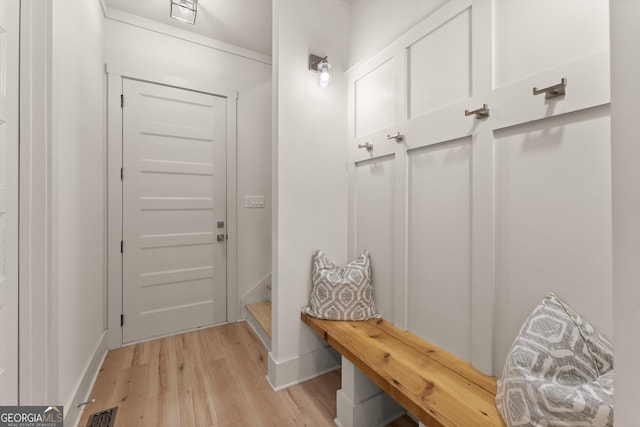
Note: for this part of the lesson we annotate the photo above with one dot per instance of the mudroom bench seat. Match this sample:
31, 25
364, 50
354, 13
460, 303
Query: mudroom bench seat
435, 386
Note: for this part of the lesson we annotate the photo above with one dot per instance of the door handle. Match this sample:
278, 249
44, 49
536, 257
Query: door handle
221, 237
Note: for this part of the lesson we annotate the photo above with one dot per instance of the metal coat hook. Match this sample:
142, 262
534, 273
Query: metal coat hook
553, 91
367, 145
398, 137
480, 113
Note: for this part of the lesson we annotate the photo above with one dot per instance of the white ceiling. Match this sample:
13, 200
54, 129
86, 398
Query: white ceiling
244, 23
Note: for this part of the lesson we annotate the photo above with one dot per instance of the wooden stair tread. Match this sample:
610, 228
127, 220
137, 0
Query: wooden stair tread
261, 311
434, 385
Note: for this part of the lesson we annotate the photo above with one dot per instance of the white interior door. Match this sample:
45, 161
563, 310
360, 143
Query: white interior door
174, 210
9, 16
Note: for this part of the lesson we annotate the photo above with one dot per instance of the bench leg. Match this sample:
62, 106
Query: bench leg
361, 403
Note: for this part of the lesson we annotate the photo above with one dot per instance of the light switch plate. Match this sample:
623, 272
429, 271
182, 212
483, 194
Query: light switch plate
254, 201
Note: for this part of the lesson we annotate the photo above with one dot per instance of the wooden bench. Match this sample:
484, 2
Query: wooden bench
437, 387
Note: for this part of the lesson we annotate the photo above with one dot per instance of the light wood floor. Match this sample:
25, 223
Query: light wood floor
214, 377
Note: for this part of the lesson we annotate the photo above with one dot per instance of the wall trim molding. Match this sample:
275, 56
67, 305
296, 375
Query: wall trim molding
81, 391
426, 25
103, 6
188, 36
204, 86
38, 300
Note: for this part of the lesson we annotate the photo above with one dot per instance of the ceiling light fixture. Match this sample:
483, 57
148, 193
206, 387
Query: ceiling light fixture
184, 10
320, 64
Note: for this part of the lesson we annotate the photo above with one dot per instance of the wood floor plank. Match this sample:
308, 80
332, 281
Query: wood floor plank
185, 381
153, 388
107, 379
127, 356
150, 412
252, 374
212, 343
168, 410
131, 412
123, 387
229, 398
312, 413
167, 365
203, 405
215, 377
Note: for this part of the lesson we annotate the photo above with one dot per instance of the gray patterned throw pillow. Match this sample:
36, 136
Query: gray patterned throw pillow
341, 292
559, 372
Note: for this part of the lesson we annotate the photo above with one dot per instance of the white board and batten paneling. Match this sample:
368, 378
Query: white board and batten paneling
374, 210
471, 221
438, 265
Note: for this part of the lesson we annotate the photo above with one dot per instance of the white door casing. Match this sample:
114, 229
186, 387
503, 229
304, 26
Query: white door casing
174, 210
9, 60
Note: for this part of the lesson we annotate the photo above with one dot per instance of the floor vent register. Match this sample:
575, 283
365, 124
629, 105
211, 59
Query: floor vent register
106, 418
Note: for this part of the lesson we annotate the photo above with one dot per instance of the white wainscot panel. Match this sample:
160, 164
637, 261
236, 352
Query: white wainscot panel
374, 225
374, 99
553, 221
534, 36
439, 244
440, 66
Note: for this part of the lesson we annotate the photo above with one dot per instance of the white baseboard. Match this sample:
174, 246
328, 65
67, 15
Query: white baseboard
284, 374
82, 389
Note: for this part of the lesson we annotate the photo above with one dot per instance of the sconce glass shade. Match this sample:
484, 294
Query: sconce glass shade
320, 64
184, 10
324, 74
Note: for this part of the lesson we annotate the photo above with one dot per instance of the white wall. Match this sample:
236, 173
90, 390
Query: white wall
78, 187
373, 24
311, 181
625, 87
133, 47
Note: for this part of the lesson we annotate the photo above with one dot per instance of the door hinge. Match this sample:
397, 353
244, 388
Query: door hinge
121, 101
121, 174
121, 246
122, 320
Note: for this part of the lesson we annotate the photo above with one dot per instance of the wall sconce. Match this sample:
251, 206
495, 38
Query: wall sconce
184, 10
320, 64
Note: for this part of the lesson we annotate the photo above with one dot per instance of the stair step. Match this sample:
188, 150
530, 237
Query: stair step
261, 311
